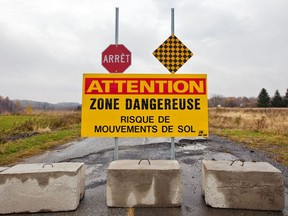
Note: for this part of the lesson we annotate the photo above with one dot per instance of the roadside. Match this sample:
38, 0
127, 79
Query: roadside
264, 129
98, 153
22, 136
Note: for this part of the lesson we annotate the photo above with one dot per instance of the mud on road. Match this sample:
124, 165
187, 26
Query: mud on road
98, 153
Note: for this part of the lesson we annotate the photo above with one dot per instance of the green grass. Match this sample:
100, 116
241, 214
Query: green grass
264, 129
273, 144
12, 152
51, 129
12, 121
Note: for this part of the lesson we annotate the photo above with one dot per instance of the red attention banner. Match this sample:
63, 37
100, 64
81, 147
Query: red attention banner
142, 85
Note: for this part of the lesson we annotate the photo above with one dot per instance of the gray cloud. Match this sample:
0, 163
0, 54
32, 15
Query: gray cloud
46, 46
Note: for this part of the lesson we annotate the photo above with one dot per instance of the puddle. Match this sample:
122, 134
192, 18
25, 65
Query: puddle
195, 147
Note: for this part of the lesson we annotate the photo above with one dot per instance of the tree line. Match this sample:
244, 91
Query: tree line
221, 101
26, 106
9, 106
264, 100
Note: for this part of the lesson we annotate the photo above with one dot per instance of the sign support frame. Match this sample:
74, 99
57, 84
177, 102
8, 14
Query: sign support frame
116, 25
172, 21
172, 138
116, 139
116, 142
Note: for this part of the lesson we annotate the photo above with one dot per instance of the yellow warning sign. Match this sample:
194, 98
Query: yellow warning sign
172, 53
144, 105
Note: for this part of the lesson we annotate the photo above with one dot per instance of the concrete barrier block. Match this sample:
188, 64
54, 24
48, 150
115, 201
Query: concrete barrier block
3, 168
144, 185
252, 185
38, 188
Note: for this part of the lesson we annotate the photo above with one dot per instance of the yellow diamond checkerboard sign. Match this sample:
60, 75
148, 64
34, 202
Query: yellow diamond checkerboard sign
172, 53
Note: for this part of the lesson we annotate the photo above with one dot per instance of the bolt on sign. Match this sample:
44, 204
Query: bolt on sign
172, 53
116, 58
144, 105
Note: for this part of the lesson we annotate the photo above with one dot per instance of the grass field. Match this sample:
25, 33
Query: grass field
260, 128
26, 135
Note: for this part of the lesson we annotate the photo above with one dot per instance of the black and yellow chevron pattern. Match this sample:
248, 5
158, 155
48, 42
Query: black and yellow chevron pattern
172, 53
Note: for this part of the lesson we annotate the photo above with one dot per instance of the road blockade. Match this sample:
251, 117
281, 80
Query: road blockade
134, 183
41, 187
242, 185
3, 168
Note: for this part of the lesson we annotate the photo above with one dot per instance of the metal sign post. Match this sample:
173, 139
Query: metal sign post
116, 140
172, 53
117, 25
172, 21
116, 148
116, 58
172, 138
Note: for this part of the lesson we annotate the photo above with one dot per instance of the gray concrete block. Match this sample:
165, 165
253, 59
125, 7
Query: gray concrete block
3, 168
34, 188
255, 185
144, 185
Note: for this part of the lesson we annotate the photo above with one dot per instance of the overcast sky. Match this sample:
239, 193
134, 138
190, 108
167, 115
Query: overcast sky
46, 46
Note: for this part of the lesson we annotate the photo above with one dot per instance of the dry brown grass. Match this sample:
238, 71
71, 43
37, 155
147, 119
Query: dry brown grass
25, 135
269, 120
259, 128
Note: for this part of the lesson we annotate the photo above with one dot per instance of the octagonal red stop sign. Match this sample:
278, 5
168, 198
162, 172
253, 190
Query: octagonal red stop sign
116, 58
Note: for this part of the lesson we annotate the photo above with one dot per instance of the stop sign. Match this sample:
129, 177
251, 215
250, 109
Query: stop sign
116, 58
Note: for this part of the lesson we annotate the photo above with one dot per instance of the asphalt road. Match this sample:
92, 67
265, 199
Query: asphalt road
98, 153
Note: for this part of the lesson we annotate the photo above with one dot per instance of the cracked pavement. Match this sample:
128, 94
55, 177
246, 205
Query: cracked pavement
97, 153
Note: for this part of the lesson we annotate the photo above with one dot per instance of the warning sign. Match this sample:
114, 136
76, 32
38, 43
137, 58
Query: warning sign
144, 105
172, 53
